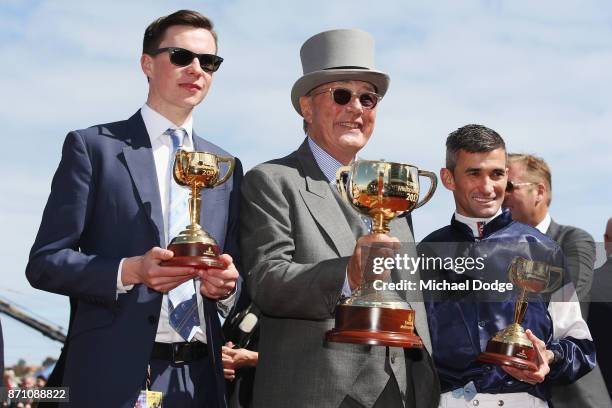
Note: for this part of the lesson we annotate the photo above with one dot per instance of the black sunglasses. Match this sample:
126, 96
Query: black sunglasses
183, 57
510, 187
342, 96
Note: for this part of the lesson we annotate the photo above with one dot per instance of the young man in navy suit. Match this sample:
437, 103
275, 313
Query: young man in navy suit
106, 224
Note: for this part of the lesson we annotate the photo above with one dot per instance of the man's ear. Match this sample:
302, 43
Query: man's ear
447, 178
146, 63
306, 107
540, 193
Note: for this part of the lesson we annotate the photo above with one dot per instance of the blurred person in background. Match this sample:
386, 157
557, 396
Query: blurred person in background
1, 356
528, 196
600, 311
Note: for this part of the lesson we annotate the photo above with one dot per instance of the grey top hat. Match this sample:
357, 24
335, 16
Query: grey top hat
337, 55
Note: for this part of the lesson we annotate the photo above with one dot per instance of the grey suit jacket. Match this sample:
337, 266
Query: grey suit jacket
296, 242
579, 249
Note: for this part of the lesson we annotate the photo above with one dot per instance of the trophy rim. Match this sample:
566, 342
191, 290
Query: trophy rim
551, 286
383, 161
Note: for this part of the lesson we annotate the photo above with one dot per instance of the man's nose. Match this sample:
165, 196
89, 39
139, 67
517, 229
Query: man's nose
354, 105
195, 68
487, 185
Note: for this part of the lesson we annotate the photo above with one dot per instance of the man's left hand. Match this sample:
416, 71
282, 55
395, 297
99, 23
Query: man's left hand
545, 357
219, 283
233, 359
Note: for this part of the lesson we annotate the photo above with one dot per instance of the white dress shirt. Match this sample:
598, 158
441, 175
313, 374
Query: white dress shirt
565, 313
161, 146
544, 224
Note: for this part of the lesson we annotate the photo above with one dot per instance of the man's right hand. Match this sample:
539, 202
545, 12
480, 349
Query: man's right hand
146, 269
366, 248
545, 358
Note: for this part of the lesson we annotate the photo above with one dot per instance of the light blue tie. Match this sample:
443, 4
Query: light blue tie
182, 303
467, 392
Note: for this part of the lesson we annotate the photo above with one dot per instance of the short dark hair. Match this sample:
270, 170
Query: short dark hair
472, 139
154, 33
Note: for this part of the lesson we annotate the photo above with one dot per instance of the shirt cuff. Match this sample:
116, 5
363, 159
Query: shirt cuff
557, 351
120, 287
346, 288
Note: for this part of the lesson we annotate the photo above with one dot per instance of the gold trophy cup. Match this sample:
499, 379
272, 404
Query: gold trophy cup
381, 190
194, 247
510, 346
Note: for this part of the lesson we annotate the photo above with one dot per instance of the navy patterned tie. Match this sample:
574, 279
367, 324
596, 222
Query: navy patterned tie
182, 302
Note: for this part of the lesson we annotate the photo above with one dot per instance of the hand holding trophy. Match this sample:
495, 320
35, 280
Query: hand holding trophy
381, 190
510, 346
193, 246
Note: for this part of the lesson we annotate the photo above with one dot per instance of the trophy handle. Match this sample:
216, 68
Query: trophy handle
179, 171
432, 187
554, 284
342, 171
232, 163
512, 269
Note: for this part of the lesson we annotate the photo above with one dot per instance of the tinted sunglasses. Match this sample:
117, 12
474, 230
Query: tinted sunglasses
342, 96
182, 57
510, 187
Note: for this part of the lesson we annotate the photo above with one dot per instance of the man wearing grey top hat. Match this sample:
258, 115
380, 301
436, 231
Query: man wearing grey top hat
301, 244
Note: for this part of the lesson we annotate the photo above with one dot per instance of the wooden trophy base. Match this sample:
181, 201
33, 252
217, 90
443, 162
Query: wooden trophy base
195, 255
509, 354
375, 326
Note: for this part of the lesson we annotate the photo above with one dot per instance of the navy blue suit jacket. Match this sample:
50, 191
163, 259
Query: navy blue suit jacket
105, 205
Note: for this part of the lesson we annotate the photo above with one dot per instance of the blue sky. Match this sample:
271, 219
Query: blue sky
537, 72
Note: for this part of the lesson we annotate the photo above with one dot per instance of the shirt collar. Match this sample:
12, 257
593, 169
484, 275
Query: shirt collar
328, 164
544, 224
476, 224
157, 124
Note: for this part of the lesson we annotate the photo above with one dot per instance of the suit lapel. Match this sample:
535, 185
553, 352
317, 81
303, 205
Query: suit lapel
198, 143
553, 230
141, 165
322, 205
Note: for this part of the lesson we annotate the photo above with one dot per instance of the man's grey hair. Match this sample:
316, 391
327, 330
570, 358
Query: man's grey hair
472, 139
